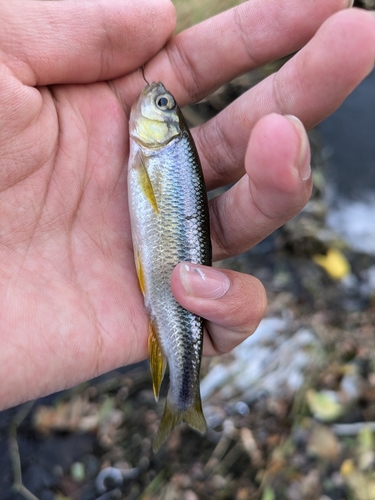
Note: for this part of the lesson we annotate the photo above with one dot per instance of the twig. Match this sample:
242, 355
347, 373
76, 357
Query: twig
116, 493
155, 485
230, 458
14, 453
221, 447
352, 429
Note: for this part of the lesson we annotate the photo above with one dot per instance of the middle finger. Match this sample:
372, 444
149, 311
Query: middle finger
311, 85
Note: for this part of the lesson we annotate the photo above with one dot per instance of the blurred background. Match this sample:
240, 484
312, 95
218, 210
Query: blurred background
291, 412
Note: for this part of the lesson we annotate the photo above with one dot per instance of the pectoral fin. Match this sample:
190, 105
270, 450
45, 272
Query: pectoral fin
157, 361
145, 183
140, 274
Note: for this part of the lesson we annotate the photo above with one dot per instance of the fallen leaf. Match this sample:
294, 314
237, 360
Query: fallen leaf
334, 263
323, 443
324, 405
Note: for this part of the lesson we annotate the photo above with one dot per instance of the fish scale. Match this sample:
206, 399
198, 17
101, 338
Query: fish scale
169, 218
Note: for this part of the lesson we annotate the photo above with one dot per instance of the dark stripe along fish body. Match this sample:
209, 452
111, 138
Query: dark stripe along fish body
170, 224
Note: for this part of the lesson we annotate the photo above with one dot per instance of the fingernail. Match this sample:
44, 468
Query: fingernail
204, 282
303, 160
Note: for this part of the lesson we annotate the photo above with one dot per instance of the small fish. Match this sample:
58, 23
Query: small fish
170, 224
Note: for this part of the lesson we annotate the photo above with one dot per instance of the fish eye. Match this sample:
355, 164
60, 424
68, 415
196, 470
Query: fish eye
165, 102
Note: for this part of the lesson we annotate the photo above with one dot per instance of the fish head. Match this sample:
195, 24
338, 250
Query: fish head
155, 117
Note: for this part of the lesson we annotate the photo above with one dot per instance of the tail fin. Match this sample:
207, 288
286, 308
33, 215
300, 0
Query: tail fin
171, 417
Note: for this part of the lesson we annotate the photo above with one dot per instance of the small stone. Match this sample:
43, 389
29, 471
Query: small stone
190, 495
144, 463
294, 491
182, 481
108, 479
77, 471
242, 408
218, 481
243, 494
323, 443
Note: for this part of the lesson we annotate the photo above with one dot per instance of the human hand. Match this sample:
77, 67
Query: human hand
70, 305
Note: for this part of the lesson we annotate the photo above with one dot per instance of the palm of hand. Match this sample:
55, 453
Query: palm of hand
68, 251
70, 307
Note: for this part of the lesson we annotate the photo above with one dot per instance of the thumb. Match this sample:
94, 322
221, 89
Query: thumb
232, 303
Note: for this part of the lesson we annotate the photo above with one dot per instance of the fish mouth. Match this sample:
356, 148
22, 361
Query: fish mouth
147, 89
154, 85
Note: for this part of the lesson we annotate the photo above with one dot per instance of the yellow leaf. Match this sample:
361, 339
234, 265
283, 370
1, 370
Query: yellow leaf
334, 262
347, 467
324, 405
268, 493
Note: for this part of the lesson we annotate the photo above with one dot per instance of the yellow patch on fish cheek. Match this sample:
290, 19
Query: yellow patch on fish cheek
152, 131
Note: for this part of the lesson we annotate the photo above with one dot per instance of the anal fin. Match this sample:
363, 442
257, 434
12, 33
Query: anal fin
157, 360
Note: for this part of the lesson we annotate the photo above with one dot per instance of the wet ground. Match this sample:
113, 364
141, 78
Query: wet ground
349, 135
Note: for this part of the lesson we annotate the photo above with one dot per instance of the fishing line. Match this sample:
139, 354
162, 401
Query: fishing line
143, 74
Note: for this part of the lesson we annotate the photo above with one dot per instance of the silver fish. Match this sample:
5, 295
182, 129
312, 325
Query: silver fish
170, 224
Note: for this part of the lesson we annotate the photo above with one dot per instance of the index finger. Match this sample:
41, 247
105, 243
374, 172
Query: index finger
197, 61
53, 42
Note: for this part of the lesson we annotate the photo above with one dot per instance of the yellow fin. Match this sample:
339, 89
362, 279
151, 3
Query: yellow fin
171, 417
157, 361
141, 276
145, 183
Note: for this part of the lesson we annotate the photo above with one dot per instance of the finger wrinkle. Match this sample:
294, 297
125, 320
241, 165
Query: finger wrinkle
219, 345
105, 59
211, 138
107, 41
240, 17
237, 208
279, 97
220, 244
179, 58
